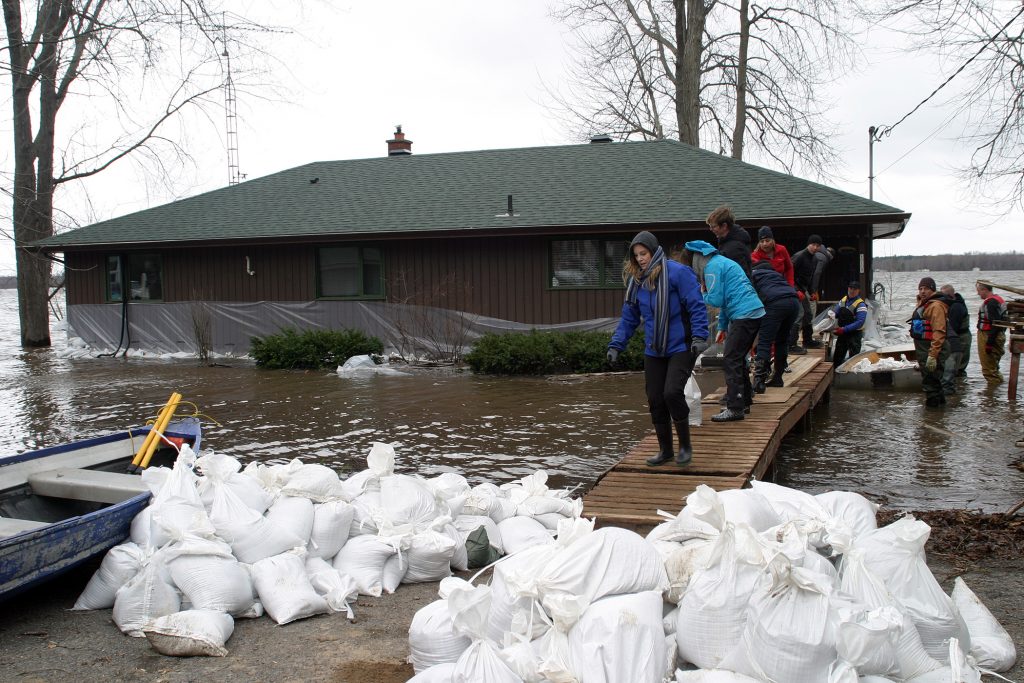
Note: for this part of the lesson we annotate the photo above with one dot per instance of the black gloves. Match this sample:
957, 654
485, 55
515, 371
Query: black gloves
613, 356
698, 345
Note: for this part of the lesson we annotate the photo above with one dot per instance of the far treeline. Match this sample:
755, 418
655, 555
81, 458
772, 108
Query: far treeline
975, 259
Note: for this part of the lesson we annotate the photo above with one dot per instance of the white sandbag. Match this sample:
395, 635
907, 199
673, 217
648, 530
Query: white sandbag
331, 524
429, 556
549, 520
861, 583
251, 536
284, 588
524, 659
408, 500
895, 553
991, 646
520, 533
669, 619
619, 638
224, 470
534, 484
365, 481
192, 633
481, 661
363, 558
790, 504
395, 569
959, 670
854, 509
506, 607
293, 514
209, 577
790, 633
682, 561
713, 611
867, 639
460, 556
488, 499
316, 482
432, 637
147, 596
466, 524
441, 673
120, 564
712, 676
450, 491
339, 590
177, 509
609, 561
381, 459
542, 505
368, 513
141, 533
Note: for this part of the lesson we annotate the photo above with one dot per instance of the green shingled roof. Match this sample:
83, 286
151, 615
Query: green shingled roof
646, 183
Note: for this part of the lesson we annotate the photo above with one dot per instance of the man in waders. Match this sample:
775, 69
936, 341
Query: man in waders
928, 328
851, 313
991, 337
958, 339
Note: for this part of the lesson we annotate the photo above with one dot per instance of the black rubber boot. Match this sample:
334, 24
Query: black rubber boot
776, 380
685, 454
760, 375
664, 454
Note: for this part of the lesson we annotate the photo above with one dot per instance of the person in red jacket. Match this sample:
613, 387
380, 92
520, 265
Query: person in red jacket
775, 254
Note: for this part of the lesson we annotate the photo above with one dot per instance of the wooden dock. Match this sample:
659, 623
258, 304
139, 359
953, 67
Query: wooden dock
725, 455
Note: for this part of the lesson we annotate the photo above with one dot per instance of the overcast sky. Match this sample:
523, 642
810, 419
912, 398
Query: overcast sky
469, 75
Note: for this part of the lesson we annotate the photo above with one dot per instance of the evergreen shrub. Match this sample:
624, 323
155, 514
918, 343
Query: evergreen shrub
550, 353
312, 349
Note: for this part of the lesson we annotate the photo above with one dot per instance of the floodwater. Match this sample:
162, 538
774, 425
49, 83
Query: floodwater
883, 444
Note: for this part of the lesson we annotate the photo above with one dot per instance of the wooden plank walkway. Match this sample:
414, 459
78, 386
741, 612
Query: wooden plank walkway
725, 456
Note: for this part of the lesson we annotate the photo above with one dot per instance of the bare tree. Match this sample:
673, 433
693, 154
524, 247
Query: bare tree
732, 76
62, 49
981, 48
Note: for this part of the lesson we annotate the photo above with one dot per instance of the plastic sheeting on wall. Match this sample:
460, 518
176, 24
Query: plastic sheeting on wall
412, 331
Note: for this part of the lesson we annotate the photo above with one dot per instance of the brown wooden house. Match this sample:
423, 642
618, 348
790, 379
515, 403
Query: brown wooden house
444, 246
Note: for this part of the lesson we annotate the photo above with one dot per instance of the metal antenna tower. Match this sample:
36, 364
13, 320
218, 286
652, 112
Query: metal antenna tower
231, 116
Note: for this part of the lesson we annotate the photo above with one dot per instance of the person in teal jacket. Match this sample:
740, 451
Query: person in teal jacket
727, 288
665, 295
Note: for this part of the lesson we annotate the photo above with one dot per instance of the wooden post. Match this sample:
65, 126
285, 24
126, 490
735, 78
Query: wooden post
1016, 348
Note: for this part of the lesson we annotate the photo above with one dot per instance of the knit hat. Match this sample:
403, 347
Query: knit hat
700, 246
765, 233
645, 238
814, 239
927, 282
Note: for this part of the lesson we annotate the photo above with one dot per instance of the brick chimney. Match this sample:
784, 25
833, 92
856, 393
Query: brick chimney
399, 146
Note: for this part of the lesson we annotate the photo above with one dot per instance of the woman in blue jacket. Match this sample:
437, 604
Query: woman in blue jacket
665, 295
727, 288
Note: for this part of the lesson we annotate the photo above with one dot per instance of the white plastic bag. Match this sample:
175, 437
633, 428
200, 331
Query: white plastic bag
693, 401
339, 590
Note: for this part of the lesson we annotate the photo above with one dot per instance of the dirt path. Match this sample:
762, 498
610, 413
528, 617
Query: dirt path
41, 641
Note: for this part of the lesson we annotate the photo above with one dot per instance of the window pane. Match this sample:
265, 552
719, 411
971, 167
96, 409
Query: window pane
145, 277
614, 259
373, 272
339, 271
575, 263
114, 278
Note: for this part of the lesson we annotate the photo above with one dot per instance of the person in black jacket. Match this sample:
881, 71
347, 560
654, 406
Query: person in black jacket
958, 326
733, 241
808, 266
781, 310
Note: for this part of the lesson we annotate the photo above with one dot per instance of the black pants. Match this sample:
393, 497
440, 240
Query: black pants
803, 322
665, 380
739, 338
847, 346
778, 320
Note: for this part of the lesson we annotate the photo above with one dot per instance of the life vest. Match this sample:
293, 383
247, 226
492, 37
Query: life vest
984, 322
920, 326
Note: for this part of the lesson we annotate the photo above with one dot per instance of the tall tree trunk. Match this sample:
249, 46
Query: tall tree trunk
741, 82
689, 25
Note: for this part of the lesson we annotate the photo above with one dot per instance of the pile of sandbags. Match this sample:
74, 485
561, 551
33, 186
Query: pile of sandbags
766, 584
219, 542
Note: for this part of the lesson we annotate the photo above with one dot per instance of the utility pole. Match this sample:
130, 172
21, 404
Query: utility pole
871, 162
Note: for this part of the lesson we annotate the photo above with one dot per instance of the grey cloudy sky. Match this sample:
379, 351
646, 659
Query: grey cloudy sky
466, 75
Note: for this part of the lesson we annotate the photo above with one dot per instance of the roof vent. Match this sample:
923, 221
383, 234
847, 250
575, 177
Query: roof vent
600, 138
399, 146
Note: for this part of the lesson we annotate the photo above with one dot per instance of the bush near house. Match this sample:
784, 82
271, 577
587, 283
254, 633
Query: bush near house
311, 349
550, 353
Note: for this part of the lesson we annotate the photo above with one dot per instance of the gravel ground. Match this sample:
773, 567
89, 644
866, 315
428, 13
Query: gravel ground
40, 640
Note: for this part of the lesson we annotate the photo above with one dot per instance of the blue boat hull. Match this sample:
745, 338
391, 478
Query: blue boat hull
32, 557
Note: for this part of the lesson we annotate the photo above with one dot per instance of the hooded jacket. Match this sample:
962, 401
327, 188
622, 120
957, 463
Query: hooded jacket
735, 245
727, 287
770, 285
687, 318
933, 311
957, 322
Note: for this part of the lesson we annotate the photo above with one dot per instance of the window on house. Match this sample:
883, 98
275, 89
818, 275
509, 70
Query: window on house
351, 272
138, 275
587, 263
